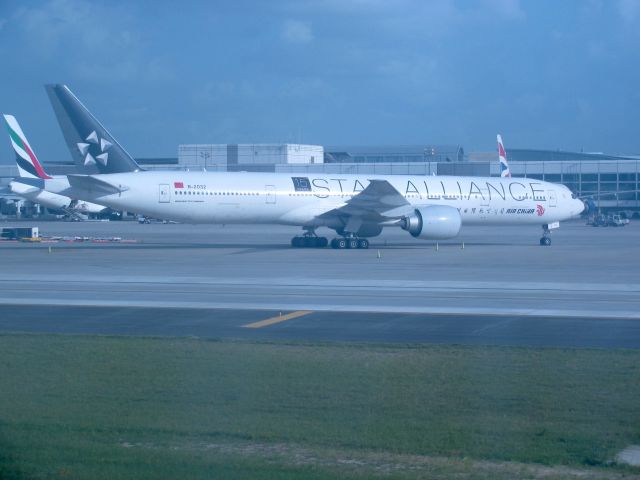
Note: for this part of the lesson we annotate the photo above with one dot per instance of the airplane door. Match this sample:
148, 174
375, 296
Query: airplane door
271, 193
164, 193
552, 198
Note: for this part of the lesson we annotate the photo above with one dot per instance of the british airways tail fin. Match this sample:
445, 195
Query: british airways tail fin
505, 171
92, 147
28, 164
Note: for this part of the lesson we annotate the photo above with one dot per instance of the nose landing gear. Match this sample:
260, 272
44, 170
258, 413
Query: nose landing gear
545, 241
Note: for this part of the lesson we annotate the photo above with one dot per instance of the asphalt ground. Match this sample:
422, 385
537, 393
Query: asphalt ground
309, 326
490, 285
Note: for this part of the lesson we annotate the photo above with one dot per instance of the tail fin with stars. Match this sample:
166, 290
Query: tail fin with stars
92, 146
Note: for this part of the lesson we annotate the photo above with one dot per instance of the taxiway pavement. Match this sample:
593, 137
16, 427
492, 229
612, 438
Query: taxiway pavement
588, 280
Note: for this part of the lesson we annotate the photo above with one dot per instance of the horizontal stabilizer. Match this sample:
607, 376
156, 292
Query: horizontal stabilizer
22, 188
93, 187
37, 183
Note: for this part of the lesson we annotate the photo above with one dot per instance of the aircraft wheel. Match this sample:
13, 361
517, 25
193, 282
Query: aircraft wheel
545, 241
352, 243
363, 243
339, 243
321, 242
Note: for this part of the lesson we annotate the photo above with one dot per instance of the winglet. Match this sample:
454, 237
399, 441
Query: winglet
28, 164
502, 154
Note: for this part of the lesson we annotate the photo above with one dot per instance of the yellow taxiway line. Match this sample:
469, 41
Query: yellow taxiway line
278, 319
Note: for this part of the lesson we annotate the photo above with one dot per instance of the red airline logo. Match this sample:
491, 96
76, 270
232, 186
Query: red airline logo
539, 210
501, 151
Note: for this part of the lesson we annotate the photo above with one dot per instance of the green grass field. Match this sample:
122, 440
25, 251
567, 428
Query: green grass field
151, 408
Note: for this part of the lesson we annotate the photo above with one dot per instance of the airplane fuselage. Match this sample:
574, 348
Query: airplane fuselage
300, 199
50, 193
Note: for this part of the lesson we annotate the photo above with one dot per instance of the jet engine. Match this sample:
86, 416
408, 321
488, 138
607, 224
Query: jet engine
436, 222
86, 207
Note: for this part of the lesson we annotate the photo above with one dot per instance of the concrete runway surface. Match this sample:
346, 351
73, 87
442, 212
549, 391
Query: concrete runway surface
491, 285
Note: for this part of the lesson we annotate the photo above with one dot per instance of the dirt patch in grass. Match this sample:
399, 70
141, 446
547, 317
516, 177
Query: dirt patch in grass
384, 463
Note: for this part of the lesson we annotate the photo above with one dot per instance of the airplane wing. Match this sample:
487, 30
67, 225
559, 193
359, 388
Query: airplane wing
378, 202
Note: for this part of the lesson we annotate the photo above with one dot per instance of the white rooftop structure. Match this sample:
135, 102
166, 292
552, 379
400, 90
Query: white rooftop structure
231, 155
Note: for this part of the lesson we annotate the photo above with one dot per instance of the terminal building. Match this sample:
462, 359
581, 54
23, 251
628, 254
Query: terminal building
612, 181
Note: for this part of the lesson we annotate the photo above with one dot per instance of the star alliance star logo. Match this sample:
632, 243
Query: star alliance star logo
104, 145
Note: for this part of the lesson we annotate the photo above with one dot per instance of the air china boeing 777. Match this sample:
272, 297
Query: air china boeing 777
355, 206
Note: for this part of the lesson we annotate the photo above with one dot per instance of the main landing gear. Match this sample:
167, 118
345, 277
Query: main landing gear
310, 240
545, 241
350, 242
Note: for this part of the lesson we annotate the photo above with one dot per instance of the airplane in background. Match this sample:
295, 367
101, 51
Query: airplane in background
357, 207
505, 172
31, 182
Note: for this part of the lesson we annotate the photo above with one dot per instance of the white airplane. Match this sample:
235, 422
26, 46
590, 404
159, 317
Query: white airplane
502, 156
357, 207
31, 182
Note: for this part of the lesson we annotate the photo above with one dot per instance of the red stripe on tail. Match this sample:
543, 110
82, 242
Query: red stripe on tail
36, 163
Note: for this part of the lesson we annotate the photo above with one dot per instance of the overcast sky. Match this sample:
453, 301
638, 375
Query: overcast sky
556, 74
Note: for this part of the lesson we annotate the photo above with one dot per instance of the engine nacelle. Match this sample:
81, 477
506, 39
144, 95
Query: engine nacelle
436, 222
86, 207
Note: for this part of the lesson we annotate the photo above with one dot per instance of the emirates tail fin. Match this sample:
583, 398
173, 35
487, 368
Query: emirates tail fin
28, 164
